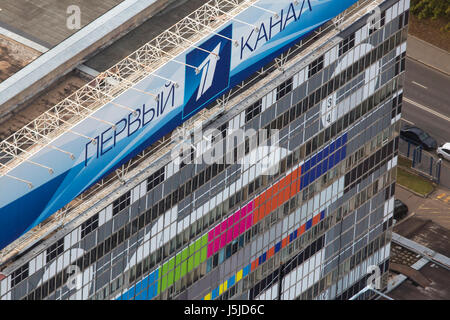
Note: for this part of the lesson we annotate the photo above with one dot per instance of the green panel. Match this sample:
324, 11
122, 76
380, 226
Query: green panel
205, 240
196, 259
158, 288
177, 273
178, 259
185, 254
164, 268
190, 264
183, 268
204, 254
191, 249
170, 278
198, 244
171, 264
164, 283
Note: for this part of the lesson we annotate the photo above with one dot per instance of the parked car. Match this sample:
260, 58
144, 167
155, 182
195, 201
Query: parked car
418, 137
444, 151
400, 209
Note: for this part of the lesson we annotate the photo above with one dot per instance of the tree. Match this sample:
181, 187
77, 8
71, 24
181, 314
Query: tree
433, 9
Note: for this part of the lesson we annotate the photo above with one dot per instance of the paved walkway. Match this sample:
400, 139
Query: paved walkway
435, 208
428, 54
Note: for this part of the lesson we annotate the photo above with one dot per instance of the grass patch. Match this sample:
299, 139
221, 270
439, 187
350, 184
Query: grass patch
413, 182
404, 162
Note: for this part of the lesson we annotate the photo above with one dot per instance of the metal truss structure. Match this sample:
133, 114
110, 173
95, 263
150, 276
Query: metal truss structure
122, 77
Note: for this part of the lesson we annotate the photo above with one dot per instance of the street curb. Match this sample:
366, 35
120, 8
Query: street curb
423, 62
428, 65
416, 193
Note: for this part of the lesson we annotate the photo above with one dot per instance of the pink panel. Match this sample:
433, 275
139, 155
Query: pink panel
223, 226
235, 231
244, 211
248, 222
229, 235
216, 245
211, 235
210, 249
250, 206
236, 216
229, 222
223, 240
242, 226
217, 231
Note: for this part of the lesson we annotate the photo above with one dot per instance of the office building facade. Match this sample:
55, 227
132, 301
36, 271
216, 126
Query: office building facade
317, 228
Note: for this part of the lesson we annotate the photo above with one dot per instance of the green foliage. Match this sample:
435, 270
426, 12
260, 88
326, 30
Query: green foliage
433, 9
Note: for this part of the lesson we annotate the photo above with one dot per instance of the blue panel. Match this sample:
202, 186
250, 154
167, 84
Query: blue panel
308, 224
312, 176
313, 161
215, 293
325, 165
231, 281
320, 156
305, 179
319, 170
322, 215
264, 256
326, 151
330, 161
338, 143
306, 166
344, 138
337, 157
344, 152
246, 271
278, 246
332, 147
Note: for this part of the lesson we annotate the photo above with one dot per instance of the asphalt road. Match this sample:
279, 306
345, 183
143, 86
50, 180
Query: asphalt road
427, 100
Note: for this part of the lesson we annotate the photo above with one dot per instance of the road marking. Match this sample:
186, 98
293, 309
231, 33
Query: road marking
418, 105
408, 121
420, 85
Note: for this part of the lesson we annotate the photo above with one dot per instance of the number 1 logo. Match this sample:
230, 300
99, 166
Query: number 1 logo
208, 67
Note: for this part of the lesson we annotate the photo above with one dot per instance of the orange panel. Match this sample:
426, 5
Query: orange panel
274, 203
275, 188
284, 242
269, 193
302, 229
289, 178
286, 193
257, 201
294, 174
316, 219
270, 252
293, 188
255, 215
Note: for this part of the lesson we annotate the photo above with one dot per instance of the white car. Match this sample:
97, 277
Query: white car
444, 151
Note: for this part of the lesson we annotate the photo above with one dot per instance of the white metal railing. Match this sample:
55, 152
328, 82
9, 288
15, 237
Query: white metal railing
147, 161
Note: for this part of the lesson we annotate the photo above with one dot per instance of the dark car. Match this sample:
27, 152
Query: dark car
418, 137
400, 210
